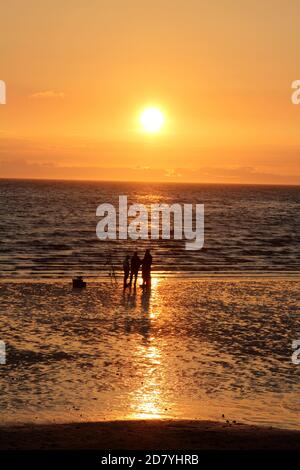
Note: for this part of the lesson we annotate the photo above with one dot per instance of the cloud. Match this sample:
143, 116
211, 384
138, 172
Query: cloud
47, 94
237, 175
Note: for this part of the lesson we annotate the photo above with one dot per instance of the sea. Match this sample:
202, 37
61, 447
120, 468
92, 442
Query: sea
48, 229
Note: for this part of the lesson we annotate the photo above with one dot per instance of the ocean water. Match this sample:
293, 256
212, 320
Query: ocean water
48, 229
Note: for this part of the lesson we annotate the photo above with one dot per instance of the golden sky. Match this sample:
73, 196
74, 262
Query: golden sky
78, 73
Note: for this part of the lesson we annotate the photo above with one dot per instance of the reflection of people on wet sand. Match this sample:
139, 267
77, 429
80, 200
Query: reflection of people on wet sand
134, 268
126, 269
145, 303
146, 269
145, 321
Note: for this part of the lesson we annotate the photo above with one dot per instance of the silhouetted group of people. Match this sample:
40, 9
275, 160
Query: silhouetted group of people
131, 267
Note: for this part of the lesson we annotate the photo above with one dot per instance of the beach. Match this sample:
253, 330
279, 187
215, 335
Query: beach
189, 349
148, 435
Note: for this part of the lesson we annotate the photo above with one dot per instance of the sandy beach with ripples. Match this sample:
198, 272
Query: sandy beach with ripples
188, 349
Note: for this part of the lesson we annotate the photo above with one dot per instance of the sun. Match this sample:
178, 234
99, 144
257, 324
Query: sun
152, 120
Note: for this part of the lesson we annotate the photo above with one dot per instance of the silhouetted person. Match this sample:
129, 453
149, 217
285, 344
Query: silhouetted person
126, 269
146, 268
134, 267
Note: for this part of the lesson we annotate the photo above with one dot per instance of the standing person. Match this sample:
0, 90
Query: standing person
146, 268
134, 267
126, 270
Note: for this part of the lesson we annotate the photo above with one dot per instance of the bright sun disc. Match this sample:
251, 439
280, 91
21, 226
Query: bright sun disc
152, 119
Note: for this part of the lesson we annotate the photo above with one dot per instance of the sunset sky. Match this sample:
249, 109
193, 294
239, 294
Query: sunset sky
79, 73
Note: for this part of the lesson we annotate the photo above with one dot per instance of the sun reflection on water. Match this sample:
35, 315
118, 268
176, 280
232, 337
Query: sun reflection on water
147, 402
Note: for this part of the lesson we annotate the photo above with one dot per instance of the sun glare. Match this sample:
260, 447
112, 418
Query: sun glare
152, 120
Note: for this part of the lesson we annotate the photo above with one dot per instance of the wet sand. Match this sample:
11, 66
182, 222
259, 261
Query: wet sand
147, 435
194, 349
